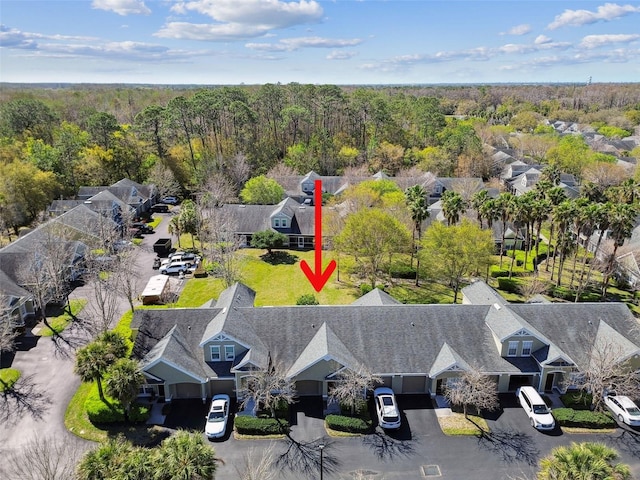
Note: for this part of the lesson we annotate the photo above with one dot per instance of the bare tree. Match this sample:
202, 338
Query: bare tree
473, 389
223, 245
534, 286
237, 169
164, 180
127, 277
258, 465
42, 458
105, 290
8, 333
267, 388
609, 368
352, 384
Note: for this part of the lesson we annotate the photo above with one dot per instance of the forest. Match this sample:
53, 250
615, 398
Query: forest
54, 140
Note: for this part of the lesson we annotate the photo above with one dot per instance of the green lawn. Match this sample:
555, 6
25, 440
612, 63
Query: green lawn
8, 377
59, 323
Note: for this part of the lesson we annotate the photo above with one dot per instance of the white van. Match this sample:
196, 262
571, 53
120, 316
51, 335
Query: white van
539, 414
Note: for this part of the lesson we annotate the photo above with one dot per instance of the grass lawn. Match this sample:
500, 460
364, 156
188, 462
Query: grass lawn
59, 323
456, 424
8, 377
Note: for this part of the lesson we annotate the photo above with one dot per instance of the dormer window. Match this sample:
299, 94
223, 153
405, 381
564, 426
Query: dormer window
279, 222
513, 349
229, 353
276, 223
283, 222
215, 353
526, 348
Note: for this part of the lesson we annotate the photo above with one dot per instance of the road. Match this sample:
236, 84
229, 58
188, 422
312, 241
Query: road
48, 382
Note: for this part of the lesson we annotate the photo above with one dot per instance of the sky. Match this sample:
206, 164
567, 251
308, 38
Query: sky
342, 42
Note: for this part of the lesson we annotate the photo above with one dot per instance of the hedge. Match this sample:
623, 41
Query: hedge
508, 284
577, 400
568, 417
248, 425
403, 271
348, 424
100, 412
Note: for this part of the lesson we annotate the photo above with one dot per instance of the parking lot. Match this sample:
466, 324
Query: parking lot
418, 450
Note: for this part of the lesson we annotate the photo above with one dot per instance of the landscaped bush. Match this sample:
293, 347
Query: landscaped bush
248, 425
342, 423
577, 400
100, 412
568, 417
365, 288
403, 271
496, 272
508, 284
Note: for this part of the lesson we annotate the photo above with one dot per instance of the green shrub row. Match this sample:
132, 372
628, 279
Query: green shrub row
568, 417
248, 425
508, 284
100, 412
348, 424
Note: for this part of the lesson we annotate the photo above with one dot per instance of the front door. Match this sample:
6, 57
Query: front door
548, 384
300, 242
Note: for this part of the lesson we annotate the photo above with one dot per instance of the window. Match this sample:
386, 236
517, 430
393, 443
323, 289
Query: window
513, 349
215, 353
229, 353
284, 222
276, 222
526, 348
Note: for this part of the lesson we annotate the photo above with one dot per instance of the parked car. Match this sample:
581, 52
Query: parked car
623, 409
386, 408
156, 263
143, 227
184, 257
218, 416
539, 414
170, 200
177, 267
160, 208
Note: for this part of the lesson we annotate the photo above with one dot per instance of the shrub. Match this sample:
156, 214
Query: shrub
568, 417
508, 284
248, 425
342, 423
577, 400
496, 272
365, 288
100, 412
307, 299
403, 271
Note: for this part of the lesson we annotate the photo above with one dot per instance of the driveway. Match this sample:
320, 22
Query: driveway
48, 382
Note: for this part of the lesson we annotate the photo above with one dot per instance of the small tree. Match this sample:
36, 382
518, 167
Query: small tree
123, 382
268, 239
267, 388
262, 191
352, 384
473, 389
55, 459
8, 333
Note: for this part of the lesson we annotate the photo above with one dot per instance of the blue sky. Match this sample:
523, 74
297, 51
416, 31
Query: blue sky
310, 41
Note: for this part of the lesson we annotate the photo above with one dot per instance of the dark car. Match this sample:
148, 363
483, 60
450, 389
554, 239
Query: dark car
156, 263
143, 227
160, 208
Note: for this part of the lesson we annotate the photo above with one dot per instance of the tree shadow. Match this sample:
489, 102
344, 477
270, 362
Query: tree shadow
305, 458
22, 399
511, 445
628, 441
386, 447
280, 258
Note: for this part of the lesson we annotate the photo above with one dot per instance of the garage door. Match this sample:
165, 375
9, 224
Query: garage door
223, 386
188, 390
414, 384
308, 387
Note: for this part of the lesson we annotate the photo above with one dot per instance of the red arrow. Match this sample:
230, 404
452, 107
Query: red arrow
318, 279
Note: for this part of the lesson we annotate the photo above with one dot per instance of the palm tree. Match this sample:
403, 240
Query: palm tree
556, 196
562, 216
539, 213
416, 198
478, 200
92, 362
600, 222
621, 222
123, 382
581, 222
453, 205
174, 229
503, 209
583, 461
116, 458
185, 456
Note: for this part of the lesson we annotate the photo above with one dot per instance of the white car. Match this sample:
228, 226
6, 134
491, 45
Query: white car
177, 267
386, 408
218, 416
623, 408
539, 414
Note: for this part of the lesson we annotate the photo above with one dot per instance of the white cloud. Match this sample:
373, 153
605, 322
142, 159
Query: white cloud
240, 19
291, 44
122, 7
340, 55
522, 29
541, 39
595, 41
604, 13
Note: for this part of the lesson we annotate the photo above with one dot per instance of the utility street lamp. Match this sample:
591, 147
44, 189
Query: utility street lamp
321, 447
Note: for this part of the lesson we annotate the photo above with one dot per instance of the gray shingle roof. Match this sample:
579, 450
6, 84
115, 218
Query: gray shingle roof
479, 293
376, 297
